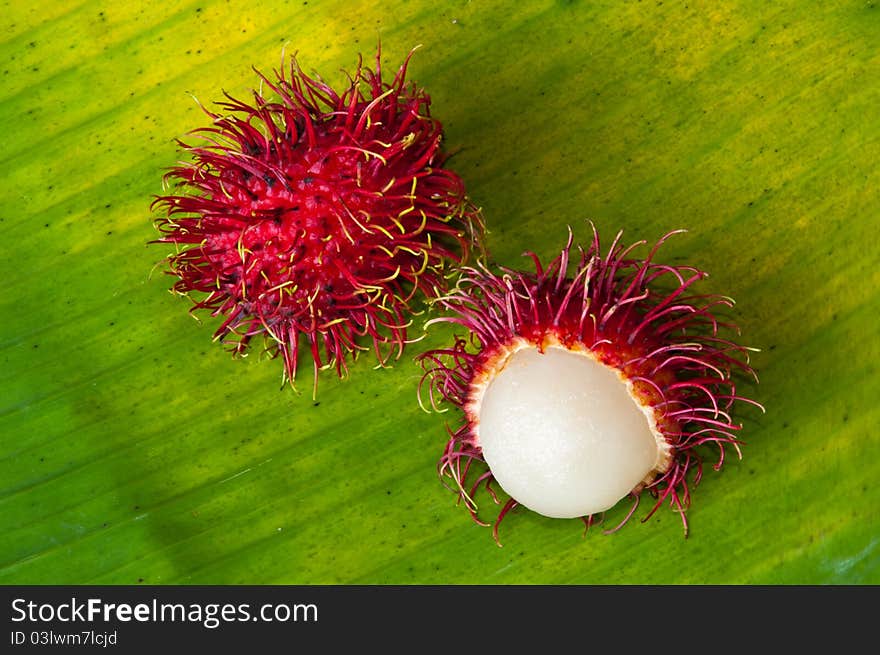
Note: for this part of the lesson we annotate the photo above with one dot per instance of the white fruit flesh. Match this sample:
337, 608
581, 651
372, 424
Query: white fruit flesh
562, 433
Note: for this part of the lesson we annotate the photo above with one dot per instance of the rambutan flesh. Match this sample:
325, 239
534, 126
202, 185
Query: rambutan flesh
316, 218
581, 388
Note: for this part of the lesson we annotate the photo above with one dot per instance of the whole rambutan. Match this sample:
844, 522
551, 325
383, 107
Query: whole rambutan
314, 217
581, 388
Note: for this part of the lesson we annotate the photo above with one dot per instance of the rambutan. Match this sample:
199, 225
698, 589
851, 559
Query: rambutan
316, 218
581, 388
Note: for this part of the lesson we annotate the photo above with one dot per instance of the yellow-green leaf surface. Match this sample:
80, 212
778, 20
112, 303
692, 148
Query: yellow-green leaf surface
135, 450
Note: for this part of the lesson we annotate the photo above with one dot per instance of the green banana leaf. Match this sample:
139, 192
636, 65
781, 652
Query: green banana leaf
135, 450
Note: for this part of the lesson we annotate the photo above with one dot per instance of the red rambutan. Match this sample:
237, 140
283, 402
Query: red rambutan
579, 390
313, 215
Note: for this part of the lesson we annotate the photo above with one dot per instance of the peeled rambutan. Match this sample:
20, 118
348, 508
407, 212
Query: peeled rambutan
315, 218
581, 388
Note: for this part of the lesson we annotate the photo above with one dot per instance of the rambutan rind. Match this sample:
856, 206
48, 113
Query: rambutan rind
636, 316
313, 217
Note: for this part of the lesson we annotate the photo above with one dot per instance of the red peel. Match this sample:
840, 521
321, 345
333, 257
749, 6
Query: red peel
316, 216
635, 315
